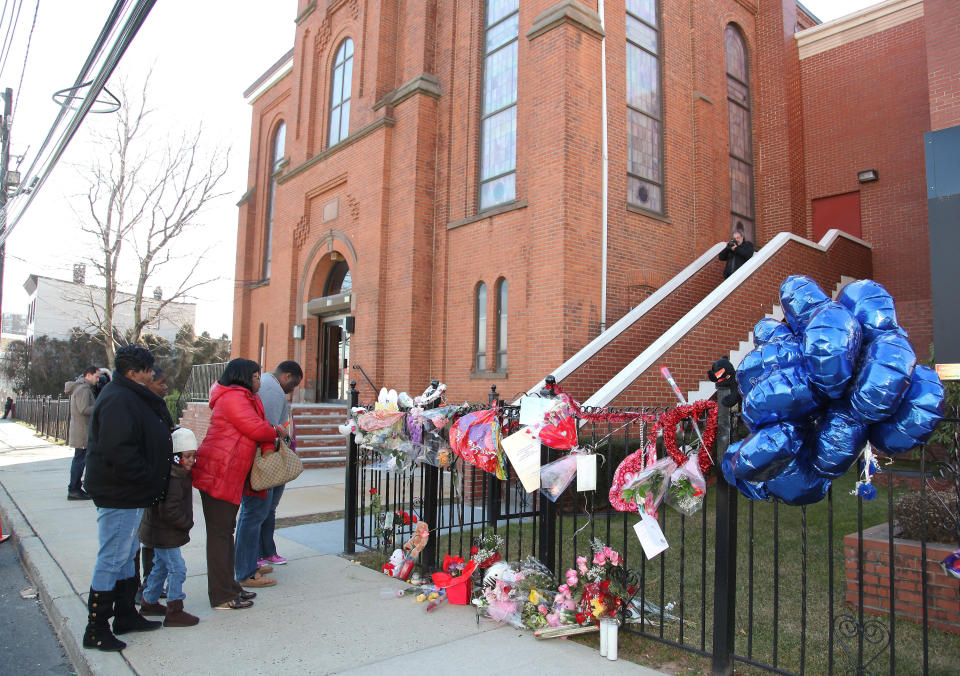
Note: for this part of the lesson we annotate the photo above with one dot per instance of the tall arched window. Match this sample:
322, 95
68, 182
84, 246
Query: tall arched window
498, 126
644, 112
741, 143
502, 291
480, 328
340, 93
276, 156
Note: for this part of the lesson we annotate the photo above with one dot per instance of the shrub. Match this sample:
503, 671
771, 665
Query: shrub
941, 520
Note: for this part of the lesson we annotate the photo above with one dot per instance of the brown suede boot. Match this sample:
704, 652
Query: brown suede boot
153, 609
178, 617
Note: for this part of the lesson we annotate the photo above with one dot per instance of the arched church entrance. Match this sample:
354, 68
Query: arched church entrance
329, 310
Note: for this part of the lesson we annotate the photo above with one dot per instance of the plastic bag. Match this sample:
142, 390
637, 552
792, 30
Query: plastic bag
754, 490
781, 395
872, 305
831, 344
769, 329
635, 487
887, 365
917, 416
772, 356
475, 437
798, 484
800, 296
687, 488
557, 475
838, 441
767, 450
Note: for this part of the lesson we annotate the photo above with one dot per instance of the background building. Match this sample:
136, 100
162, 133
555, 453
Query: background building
429, 194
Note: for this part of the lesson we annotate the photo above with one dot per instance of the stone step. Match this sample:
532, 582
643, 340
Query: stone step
332, 418
316, 407
321, 439
333, 461
311, 428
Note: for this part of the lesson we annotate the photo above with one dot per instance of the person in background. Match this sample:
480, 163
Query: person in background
237, 428
737, 252
82, 392
129, 450
255, 547
165, 528
7, 407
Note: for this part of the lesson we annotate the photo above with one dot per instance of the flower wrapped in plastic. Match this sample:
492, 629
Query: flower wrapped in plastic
475, 437
831, 344
800, 296
887, 365
872, 305
687, 488
838, 440
636, 486
781, 395
557, 475
771, 356
917, 416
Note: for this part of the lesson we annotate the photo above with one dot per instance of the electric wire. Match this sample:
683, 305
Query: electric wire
3, 16
133, 24
33, 25
8, 39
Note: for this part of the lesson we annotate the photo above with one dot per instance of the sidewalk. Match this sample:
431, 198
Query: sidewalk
325, 615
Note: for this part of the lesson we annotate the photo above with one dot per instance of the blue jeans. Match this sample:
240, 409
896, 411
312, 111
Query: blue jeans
76, 469
268, 547
253, 512
117, 537
168, 564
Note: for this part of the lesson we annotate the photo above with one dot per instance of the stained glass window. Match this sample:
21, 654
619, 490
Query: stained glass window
644, 114
276, 156
340, 93
480, 328
741, 139
498, 129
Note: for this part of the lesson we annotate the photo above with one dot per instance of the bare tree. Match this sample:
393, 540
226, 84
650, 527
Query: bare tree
140, 200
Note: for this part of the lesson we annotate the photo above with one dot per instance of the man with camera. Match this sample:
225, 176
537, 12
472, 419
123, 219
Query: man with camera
82, 392
737, 252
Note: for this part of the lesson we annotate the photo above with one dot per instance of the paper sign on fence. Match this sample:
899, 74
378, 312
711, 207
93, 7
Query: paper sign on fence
587, 472
651, 536
523, 450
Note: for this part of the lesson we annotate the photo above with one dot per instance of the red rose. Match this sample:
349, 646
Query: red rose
631, 590
406, 519
373, 491
474, 550
581, 617
414, 518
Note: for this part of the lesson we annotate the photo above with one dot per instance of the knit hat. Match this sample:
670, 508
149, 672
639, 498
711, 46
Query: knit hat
184, 440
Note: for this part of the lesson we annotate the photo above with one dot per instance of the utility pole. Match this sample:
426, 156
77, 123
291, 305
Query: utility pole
4, 187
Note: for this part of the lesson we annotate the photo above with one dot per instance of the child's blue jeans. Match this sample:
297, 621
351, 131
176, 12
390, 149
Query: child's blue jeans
168, 564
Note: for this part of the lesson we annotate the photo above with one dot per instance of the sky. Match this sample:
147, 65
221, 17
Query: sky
201, 56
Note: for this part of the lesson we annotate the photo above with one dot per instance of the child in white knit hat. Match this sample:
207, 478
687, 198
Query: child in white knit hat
166, 527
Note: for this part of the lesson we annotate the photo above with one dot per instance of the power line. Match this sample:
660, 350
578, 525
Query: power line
8, 38
36, 10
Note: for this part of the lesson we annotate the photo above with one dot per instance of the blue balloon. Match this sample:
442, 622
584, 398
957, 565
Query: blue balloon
767, 450
838, 440
886, 366
784, 394
769, 329
754, 490
798, 484
831, 344
799, 297
917, 416
772, 356
872, 305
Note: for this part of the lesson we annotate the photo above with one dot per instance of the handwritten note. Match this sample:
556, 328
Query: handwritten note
651, 536
586, 472
523, 450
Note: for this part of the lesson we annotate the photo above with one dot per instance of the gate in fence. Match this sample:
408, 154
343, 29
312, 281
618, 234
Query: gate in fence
824, 588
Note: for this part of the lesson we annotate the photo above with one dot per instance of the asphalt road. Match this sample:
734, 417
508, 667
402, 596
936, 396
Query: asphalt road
26, 638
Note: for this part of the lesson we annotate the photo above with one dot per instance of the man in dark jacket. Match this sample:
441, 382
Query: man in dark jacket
129, 451
82, 392
737, 252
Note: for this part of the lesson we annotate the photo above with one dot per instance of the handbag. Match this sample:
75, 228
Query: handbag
276, 469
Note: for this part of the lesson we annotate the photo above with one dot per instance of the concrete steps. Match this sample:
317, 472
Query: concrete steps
319, 442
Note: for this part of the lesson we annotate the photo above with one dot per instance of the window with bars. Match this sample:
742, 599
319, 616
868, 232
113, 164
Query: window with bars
276, 157
502, 292
340, 83
741, 143
480, 328
644, 109
498, 126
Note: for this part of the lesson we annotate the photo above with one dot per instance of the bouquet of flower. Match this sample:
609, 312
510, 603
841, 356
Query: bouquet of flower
485, 549
687, 488
642, 488
599, 587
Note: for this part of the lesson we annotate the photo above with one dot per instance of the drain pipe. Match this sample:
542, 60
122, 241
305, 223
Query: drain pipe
604, 170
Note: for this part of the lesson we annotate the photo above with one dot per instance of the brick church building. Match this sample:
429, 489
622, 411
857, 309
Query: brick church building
489, 191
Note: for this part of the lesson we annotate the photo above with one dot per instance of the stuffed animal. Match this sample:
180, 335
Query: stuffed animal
396, 559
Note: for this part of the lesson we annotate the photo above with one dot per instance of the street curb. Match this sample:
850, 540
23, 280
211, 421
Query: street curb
65, 609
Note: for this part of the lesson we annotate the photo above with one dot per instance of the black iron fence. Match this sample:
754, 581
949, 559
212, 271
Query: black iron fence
197, 387
823, 588
49, 415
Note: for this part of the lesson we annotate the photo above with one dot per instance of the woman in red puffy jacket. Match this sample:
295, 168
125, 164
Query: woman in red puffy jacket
224, 459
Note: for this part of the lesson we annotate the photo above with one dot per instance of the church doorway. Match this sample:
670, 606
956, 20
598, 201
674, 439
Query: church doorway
334, 328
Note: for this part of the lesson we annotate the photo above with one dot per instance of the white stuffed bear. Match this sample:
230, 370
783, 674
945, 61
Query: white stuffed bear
397, 560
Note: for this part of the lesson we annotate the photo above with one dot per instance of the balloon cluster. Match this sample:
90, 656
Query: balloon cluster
816, 388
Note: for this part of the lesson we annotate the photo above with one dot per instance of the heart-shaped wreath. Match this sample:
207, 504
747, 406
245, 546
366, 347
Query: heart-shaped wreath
668, 424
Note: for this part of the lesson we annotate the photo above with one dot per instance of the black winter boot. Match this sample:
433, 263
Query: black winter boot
99, 612
126, 617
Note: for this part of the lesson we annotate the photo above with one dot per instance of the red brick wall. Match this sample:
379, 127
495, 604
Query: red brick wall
865, 107
943, 591
730, 322
196, 417
942, 31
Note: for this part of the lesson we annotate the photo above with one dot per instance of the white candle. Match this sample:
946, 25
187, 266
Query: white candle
612, 637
